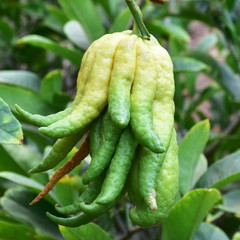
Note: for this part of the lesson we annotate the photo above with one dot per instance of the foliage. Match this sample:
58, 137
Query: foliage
41, 46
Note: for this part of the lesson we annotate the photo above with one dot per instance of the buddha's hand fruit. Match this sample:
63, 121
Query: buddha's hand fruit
124, 100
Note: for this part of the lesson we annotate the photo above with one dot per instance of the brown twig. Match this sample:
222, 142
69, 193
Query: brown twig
65, 169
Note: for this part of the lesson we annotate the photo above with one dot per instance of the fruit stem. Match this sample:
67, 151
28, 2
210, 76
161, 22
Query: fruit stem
137, 15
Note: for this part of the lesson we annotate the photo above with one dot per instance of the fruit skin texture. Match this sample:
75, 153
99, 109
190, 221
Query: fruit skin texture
166, 190
104, 153
96, 135
163, 121
121, 81
119, 167
88, 196
83, 74
94, 211
142, 98
95, 95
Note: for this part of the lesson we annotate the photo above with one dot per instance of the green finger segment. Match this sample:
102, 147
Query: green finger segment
118, 169
94, 211
163, 120
90, 208
142, 98
75, 221
95, 135
82, 217
149, 166
166, 190
95, 207
95, 95
121, 81
40, 120
150, 162
105, 152
83, 74
88, 196
58, 152
86, 67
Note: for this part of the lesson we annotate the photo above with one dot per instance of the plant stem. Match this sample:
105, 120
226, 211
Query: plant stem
137, 15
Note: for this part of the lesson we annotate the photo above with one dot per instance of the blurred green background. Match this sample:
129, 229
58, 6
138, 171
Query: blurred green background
41, 46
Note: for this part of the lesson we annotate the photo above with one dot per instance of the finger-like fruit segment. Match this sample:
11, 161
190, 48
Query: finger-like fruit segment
121, 81
58, 152
142, 98
166, 190
95, 95
119, 168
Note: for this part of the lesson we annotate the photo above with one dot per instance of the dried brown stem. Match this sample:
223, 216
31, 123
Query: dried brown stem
65, 169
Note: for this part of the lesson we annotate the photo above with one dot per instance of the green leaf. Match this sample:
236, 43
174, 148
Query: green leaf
23, 155
86, 13
62, 194
200, 169
55, 18
6, 218
34, 138
22, 78
222, 73
112, 8
209, 231
10, 128
51, 84
207, 42
27, 158
6, 32
175, 47
184, 64
65, 194
8, 163
75, 182
188, 213
222, 172
168, 29
235, 11
26, 182
9, 231
231, 202
189, 11
30, 100
121, 22
85, 232
190, 150
47, 44
16, 202
75, 32
229, 80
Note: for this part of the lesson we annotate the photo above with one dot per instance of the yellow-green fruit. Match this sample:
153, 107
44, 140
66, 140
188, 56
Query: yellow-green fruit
95, 93
166, 189
163, 121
